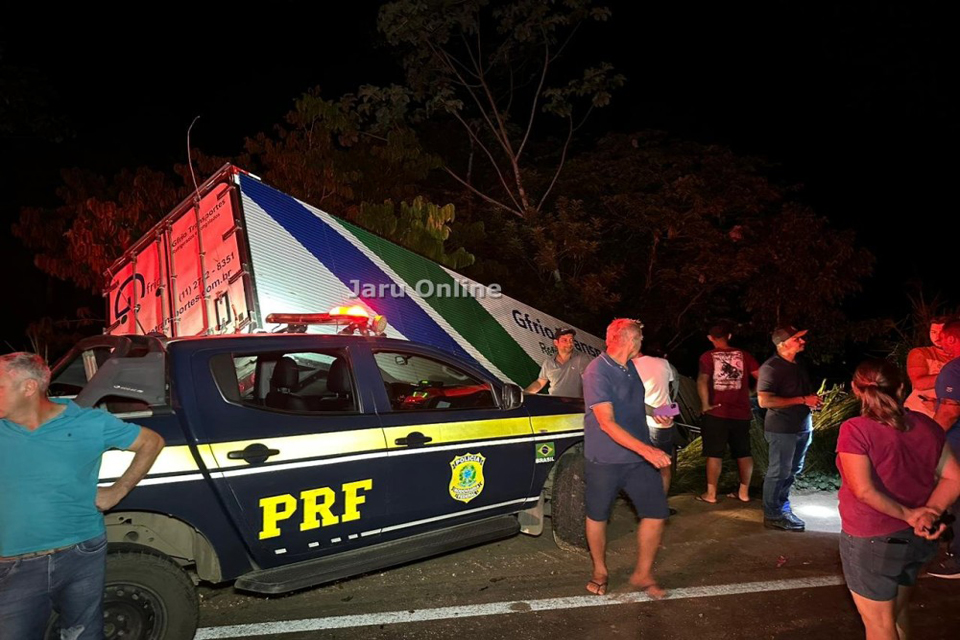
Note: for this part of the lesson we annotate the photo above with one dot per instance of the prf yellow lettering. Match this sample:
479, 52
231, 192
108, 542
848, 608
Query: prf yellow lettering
351, 498
317, 507
276, 508
311, 508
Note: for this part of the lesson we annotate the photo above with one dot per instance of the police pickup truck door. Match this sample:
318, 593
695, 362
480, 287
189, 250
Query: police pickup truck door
455, 454
293, 443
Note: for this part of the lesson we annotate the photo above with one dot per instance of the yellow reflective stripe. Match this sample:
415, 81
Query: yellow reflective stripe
310, 445
174, 459
445, 432
554, 424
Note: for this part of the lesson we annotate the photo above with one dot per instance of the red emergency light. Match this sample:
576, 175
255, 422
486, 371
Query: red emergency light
356, 319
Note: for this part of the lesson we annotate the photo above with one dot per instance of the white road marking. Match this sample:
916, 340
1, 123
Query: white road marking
263, 629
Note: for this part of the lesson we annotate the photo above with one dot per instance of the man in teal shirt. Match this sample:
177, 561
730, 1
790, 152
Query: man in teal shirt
52, 537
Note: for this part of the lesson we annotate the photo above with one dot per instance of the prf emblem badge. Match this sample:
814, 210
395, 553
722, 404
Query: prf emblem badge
466, 476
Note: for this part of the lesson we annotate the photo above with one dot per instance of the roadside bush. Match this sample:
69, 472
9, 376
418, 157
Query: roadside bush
820, 471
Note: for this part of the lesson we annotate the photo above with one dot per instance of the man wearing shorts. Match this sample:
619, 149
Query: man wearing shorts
619, 456
723, 385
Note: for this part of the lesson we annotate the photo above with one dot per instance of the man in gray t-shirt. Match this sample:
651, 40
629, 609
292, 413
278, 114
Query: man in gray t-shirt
564, 370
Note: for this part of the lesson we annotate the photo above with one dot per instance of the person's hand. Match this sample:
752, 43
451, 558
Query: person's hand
922, 520
656, 457
664, 420
707, 408
813, 401
108, 497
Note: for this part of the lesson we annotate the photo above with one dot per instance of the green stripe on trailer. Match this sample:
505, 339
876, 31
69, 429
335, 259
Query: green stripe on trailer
464, 314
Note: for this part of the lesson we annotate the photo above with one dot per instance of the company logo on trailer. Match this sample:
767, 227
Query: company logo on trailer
524, 321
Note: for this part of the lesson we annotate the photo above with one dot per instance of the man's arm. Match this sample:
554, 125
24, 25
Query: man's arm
604, 414
918, 372
768, 400
536, 385
145, 449
703, 390
948, 412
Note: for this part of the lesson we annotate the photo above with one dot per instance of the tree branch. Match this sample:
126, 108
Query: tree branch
536, 99
482, 195
563, 159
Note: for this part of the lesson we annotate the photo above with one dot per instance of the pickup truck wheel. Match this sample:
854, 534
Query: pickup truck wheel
148, 598
567, 503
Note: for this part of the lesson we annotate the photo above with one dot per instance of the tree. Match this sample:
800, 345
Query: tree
358, 159
494, 68
701, 233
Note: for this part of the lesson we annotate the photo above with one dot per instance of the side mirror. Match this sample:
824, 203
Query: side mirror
512, 396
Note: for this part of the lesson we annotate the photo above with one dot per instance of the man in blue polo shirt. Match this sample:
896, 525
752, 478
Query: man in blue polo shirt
948, 417
53, 542
619, 456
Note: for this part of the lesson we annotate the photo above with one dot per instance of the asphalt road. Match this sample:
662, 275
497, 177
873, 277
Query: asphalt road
728, 577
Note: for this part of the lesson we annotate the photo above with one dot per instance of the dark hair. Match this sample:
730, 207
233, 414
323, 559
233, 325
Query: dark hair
952, 329
878, 385
942, 319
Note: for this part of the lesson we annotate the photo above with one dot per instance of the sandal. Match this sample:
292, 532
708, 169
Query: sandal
599, 588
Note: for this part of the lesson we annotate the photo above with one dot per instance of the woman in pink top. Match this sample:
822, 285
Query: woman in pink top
897, 479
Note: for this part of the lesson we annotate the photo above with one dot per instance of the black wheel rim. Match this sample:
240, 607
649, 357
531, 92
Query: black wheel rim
132, 612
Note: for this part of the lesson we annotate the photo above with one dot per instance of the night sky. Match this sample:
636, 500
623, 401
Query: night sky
853, 101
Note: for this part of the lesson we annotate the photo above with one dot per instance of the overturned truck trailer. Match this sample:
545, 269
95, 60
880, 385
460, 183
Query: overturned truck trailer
239, 250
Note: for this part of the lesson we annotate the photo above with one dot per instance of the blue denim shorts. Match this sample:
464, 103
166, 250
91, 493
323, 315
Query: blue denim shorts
876, 567
640, 481
664, 439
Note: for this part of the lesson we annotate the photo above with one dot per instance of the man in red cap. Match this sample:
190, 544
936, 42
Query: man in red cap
785, 391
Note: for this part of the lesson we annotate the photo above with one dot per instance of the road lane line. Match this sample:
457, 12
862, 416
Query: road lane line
263, 629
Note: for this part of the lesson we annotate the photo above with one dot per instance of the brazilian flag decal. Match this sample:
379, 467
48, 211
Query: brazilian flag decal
545, 452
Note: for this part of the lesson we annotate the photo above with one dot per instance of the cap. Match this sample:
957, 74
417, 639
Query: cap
560, 332
784, 333
720, 330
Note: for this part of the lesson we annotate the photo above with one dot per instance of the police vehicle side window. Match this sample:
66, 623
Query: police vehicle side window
298, 382
72, 377
416, 383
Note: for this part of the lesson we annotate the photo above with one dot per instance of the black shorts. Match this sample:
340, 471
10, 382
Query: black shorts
876, 567
716, 432
640, 481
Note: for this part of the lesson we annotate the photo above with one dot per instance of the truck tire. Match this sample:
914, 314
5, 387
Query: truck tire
147, 597
567, 502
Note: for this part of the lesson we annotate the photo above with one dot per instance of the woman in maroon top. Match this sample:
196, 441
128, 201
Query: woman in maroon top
897, 479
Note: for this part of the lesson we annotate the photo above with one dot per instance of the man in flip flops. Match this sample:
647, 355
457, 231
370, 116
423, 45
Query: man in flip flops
723, 385
618, 456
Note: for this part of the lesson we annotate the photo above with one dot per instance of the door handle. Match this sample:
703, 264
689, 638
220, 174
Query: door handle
413, 439
253, 453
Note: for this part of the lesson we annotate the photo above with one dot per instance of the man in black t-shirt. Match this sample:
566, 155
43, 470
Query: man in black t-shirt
785, 390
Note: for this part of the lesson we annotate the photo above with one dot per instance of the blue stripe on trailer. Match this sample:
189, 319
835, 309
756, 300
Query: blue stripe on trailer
348, 263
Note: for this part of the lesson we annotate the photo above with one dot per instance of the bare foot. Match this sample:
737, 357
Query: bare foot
742, 496
598, 586
706, 498
648, 585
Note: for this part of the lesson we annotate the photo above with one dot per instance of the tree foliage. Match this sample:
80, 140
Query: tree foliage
494, 67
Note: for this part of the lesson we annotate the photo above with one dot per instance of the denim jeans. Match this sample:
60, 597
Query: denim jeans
953, 439
787, 451
70, 582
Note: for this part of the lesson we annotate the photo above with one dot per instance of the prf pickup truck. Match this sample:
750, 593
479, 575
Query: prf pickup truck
295, 459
